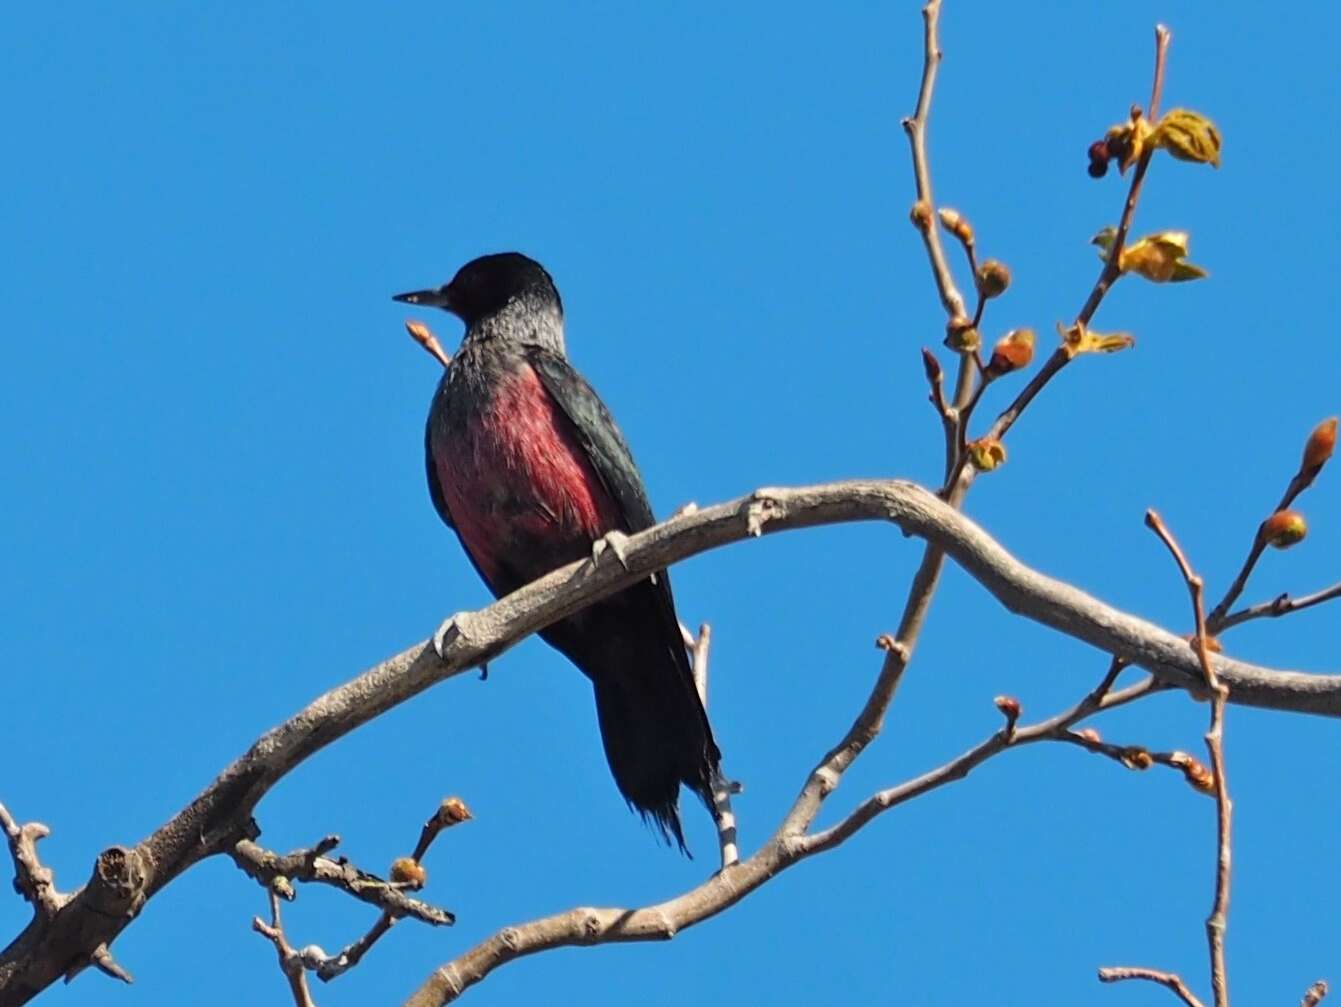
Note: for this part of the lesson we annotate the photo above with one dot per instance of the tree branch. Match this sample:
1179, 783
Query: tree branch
212, 823
32, 880
1280, 605
274, 872
586, 926
915, 126
290, 959
1219, 915
1118, 973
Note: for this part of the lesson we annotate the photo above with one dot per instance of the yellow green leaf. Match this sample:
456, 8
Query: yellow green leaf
1078, 339
1188, 136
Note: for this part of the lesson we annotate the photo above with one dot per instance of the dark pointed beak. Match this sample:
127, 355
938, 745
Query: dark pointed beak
435, 298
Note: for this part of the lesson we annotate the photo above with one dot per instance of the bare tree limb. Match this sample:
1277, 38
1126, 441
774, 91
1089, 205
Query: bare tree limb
212, 823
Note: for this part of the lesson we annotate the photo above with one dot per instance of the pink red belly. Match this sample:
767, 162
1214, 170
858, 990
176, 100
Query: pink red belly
521, 491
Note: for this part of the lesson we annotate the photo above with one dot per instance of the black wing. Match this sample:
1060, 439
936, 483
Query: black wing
610, 456
597, 433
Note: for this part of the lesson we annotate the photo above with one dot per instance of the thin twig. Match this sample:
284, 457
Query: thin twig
698, 656
290, 960
1112, 270
915, 126
1107, 275
1136, 757
722, 814
1218, 620
949, 419
341, 962
312, 865
1011, 736
1116, 974
1218, 919
1280, 605
452, 811
585, 927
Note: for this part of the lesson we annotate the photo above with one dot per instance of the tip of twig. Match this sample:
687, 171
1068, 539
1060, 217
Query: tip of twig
423, 335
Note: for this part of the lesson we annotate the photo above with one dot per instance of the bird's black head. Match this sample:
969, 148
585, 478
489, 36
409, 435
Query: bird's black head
484, 286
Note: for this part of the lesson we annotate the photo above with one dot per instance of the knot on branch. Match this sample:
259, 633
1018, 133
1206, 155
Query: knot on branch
119, 880
764, 507
590, 925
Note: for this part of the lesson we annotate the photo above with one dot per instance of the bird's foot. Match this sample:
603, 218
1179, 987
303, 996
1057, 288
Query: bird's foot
455, 626
725, 819
615, 542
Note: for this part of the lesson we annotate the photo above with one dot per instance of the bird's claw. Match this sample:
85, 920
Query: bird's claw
452, 627
616, 542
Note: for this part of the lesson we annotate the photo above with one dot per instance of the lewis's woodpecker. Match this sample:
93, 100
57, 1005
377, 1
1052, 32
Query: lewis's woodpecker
527, 466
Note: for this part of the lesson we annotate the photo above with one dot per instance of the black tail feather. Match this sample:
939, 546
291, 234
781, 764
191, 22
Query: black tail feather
653, 725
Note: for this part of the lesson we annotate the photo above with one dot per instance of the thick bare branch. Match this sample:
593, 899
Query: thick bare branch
217, 818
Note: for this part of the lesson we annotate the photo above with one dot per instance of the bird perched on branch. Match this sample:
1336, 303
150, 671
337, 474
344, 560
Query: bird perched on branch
527, 466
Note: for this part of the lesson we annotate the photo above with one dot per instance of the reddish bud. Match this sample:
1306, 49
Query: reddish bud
1321, 444
423, 335
1284, 529
961, 336
1212, 643
1012, 351
1136, 757
1099, 155
407, 870
453, 811
1199, 776
1009, 707
993, 278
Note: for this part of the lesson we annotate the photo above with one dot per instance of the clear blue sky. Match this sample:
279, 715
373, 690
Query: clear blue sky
215, 504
